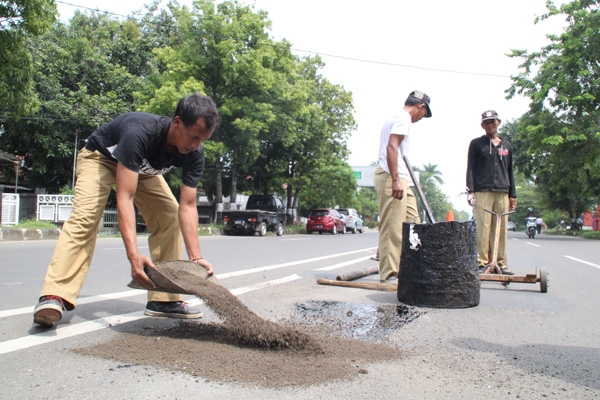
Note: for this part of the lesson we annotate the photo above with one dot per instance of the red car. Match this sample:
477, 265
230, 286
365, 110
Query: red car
325, 220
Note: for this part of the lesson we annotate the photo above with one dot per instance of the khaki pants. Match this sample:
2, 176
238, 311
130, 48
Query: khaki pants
486, 226
392, 213
96, 175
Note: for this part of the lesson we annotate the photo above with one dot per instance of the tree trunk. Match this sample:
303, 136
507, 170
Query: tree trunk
234, 178
289, 213
218, 190
295, 207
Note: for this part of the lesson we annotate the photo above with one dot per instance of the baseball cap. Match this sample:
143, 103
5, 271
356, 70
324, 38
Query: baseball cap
423, 98
489, 114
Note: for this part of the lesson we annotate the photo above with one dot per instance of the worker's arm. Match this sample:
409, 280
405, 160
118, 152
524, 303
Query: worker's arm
392, 150
188, 221
126, 186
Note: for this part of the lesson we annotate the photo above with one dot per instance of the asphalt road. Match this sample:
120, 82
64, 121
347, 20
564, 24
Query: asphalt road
518, 343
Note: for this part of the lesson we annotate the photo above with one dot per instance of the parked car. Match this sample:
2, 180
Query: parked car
511, 226
353, 221
263, 213
325, 220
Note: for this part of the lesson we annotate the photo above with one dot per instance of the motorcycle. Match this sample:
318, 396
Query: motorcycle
530, 227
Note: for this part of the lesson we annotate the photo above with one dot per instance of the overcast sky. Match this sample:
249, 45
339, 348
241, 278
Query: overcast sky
455, 51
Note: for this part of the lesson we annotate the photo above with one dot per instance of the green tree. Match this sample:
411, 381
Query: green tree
558, 139
85, 74
368, 206
21, 21
225, 51
429, 179
282, 122
329, 188
431, 171
317, 130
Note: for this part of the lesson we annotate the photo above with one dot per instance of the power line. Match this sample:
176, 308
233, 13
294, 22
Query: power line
315, 52
43, 119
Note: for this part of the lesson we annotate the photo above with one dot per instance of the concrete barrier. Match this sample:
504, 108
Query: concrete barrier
8, 234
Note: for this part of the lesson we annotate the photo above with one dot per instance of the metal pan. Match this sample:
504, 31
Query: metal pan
163, 278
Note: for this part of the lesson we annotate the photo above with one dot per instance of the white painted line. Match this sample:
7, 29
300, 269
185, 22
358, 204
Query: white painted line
262, 285
83, 300
277, 266
66, 331
134, 292
533, 244
583, 261
344, 264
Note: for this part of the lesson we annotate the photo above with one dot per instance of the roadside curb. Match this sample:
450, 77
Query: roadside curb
7, 234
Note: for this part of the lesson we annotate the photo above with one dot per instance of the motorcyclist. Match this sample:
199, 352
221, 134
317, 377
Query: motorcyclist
530, 223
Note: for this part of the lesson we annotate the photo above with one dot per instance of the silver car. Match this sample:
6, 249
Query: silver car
353, 221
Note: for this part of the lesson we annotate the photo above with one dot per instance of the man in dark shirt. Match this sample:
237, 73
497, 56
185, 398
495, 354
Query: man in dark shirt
133, 152
491, 186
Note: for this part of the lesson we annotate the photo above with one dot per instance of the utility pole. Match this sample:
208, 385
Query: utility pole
75, 158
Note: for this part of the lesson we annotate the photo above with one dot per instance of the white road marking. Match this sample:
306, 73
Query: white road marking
533, 244
83, 300
583, 261
135, 292
63, 332
277, 266
262, 285
344, 264
66, 331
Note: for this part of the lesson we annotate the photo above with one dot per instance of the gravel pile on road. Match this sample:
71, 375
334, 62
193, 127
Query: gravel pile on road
246, 327
245, 348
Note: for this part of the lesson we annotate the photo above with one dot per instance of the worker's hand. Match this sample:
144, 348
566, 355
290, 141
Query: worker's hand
513, 203
205, 264
137, 271
397, 190
471, 199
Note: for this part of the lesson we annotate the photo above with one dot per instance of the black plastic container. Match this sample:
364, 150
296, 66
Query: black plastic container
439, 265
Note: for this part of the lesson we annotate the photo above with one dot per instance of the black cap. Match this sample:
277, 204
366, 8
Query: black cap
423, 98
489, 114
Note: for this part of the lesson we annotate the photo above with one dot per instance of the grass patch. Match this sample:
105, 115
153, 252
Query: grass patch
593, 235
295, 229
209, 230
33, 224
590, 235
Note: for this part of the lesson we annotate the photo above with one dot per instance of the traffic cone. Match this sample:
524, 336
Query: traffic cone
450, 216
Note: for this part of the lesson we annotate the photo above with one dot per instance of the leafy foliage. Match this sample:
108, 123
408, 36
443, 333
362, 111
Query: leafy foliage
557, 142
85, 74
20, 21
430, 177
284, 125
368, 206
282, 122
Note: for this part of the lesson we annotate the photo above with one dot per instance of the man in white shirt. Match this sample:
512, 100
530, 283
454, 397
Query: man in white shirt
397, 203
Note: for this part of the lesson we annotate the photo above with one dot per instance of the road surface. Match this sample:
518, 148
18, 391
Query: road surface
518, 343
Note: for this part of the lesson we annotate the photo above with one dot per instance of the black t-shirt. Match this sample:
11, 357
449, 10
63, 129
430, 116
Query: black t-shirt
137, 140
